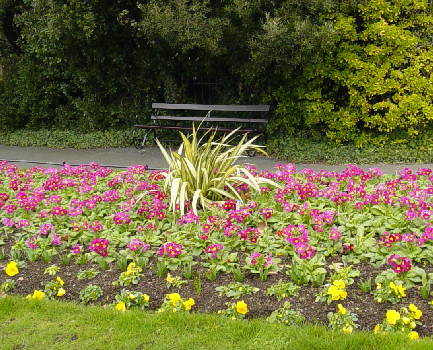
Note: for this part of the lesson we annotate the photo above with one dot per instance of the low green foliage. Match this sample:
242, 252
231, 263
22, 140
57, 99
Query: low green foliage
87, 274
7, 286
282, 290
90, 293
72, 138
236, 290
132, 300
343, 320
52, 270
286, 316
304, 271
290, 148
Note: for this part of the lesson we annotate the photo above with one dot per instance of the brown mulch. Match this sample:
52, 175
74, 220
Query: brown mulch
369, 312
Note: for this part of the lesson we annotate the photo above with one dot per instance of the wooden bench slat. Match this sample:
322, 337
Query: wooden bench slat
209, 119
170, 127
199, 107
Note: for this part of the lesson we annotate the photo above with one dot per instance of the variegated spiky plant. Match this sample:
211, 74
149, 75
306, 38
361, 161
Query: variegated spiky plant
204, 172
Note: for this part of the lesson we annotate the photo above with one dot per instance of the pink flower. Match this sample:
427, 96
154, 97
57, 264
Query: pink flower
410, 215
134, 245
77, 249
99, 246
254, 258
121, 218
56, 240
31, 243
269, 261
46, 229
335, 234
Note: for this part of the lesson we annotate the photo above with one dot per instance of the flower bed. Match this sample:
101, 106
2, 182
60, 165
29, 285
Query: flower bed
350, 249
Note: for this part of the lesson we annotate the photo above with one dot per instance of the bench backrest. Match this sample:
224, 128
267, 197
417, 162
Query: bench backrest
222, 108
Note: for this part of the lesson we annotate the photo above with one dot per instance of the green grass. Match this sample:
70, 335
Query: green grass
288, 148
32, 324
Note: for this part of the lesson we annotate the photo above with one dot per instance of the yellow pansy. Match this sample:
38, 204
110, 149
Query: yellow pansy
61, 292
413, 335
339, 284
241, 307
120, 307
392, 317
174, 298
341, 309
169, 279
11, 269
188, 304
416, 312
37, 294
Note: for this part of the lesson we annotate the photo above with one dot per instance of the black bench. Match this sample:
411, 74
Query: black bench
207, 116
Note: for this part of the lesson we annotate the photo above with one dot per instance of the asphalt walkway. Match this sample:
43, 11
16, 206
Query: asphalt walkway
27, 157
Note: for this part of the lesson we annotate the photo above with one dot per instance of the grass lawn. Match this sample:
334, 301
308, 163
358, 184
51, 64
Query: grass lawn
32, 324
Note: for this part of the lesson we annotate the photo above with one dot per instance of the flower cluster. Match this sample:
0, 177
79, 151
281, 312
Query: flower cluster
174, 303
127, 300
131, 275
213, 249
54, 289
399, 264
172, 249
335, 291
189, 218
136, 244
298, 236
235, 311
286, 315
389, 291
121, 218
37, 295
403, 321
342, 320
100, 246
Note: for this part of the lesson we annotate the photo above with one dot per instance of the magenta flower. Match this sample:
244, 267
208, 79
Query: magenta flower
213, 249
335, 234
254, 258
410, 215
99, 246
206, 228
32, 243
56, 240
46, 229
8, 222
173, 249
399, 264
269, 261
121, 218
75, 211
134, 245
76, 249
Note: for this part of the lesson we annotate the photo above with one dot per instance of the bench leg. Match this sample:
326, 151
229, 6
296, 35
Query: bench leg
139, 137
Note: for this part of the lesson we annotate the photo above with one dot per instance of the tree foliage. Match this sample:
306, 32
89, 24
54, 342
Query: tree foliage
377, 80
356, 71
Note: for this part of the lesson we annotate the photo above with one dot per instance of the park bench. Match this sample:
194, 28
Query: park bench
250, 119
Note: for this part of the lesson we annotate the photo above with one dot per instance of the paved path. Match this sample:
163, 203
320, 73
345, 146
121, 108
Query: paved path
150, 156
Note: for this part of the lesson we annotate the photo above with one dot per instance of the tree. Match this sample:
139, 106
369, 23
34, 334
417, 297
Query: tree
377, 79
